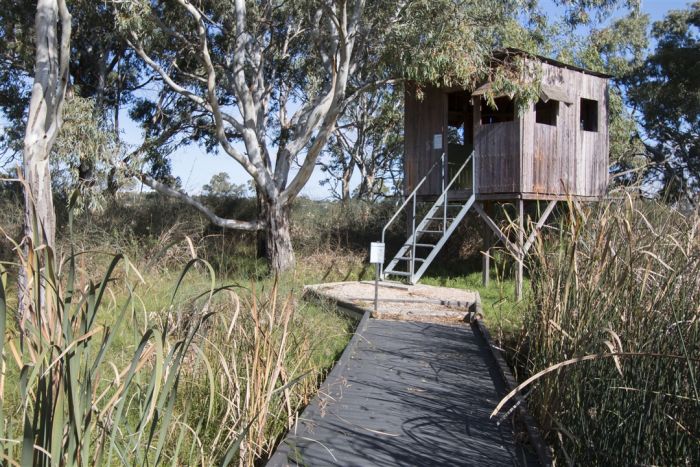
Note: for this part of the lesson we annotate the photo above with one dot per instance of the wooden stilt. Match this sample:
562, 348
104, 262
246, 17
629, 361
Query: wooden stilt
514, 249
521, 254
543, 218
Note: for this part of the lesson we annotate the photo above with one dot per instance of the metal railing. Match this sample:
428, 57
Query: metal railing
412, 197
442, 199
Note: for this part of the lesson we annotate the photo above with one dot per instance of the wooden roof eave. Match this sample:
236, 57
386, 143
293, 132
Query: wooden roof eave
485, 88
547, 93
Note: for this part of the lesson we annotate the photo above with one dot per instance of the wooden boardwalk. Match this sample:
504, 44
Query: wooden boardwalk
406, 393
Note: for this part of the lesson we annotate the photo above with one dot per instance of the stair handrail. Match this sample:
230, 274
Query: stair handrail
443, 197
412, 196
456, 175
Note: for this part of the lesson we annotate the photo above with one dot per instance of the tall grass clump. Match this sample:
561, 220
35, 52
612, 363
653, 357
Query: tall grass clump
82, 382
267, 355
613, 335
111, 369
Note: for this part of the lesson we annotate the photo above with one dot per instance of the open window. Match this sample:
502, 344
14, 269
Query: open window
504, 111
546, 112
589, 115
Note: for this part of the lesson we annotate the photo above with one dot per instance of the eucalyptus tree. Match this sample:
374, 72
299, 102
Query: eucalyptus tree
368, 140
666, 91
50, 85
270, 78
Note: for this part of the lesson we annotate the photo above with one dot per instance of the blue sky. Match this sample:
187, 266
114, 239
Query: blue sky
195, 167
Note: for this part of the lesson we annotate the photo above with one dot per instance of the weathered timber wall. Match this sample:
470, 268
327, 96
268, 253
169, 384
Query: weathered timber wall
423, 119
566, 160
497, 155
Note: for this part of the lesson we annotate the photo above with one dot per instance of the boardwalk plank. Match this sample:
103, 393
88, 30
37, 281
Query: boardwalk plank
410, 393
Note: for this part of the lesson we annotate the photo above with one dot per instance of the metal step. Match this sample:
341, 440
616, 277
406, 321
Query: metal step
398, 273
435, 222
433, 253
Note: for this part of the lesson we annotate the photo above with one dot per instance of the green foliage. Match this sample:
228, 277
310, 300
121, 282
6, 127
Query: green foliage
666, 90
444, 42
85, 154
221, 186
619, 285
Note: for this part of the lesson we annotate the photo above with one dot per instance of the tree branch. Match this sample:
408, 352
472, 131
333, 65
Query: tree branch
333, 102
250, 226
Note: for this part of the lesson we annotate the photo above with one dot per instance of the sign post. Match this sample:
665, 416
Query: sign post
376, 257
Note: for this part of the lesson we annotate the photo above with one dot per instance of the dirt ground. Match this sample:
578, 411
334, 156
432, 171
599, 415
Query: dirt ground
400, 301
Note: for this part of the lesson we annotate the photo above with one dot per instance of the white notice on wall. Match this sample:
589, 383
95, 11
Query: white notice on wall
376, 253
437, 141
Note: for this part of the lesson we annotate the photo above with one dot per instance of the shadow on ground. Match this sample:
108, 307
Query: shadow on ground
410, 393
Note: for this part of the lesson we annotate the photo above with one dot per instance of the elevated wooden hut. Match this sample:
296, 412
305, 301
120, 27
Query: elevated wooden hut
555, 149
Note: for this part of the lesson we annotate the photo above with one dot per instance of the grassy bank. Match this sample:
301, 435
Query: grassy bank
138, 363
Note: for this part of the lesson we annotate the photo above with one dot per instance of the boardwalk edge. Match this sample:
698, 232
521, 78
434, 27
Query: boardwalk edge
533, 431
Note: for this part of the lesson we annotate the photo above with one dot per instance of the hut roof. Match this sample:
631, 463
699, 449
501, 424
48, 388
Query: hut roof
505, 52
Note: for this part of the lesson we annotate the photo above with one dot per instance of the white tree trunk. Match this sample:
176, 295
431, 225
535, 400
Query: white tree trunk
53, 29
38, 197
280, 251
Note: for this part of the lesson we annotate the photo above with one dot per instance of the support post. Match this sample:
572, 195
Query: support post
486, 254
376, 289
512, 248
543, 218
520, 257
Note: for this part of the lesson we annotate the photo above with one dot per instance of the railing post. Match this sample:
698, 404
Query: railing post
444, 201
413, 247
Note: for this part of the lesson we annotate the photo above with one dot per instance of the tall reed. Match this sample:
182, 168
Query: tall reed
69, 392
613, 335
266, 357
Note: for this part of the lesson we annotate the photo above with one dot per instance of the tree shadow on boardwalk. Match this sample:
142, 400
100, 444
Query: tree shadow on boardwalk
409, 394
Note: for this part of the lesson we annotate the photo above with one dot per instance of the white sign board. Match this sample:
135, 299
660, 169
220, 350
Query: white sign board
437, 141
376, 253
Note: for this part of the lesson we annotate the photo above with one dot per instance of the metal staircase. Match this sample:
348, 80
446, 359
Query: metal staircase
432, 232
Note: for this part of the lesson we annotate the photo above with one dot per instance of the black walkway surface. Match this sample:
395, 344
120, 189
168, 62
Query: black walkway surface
406, 393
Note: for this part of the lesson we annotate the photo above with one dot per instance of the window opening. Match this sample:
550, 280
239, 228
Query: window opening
504, 111
589, 115
546, 112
